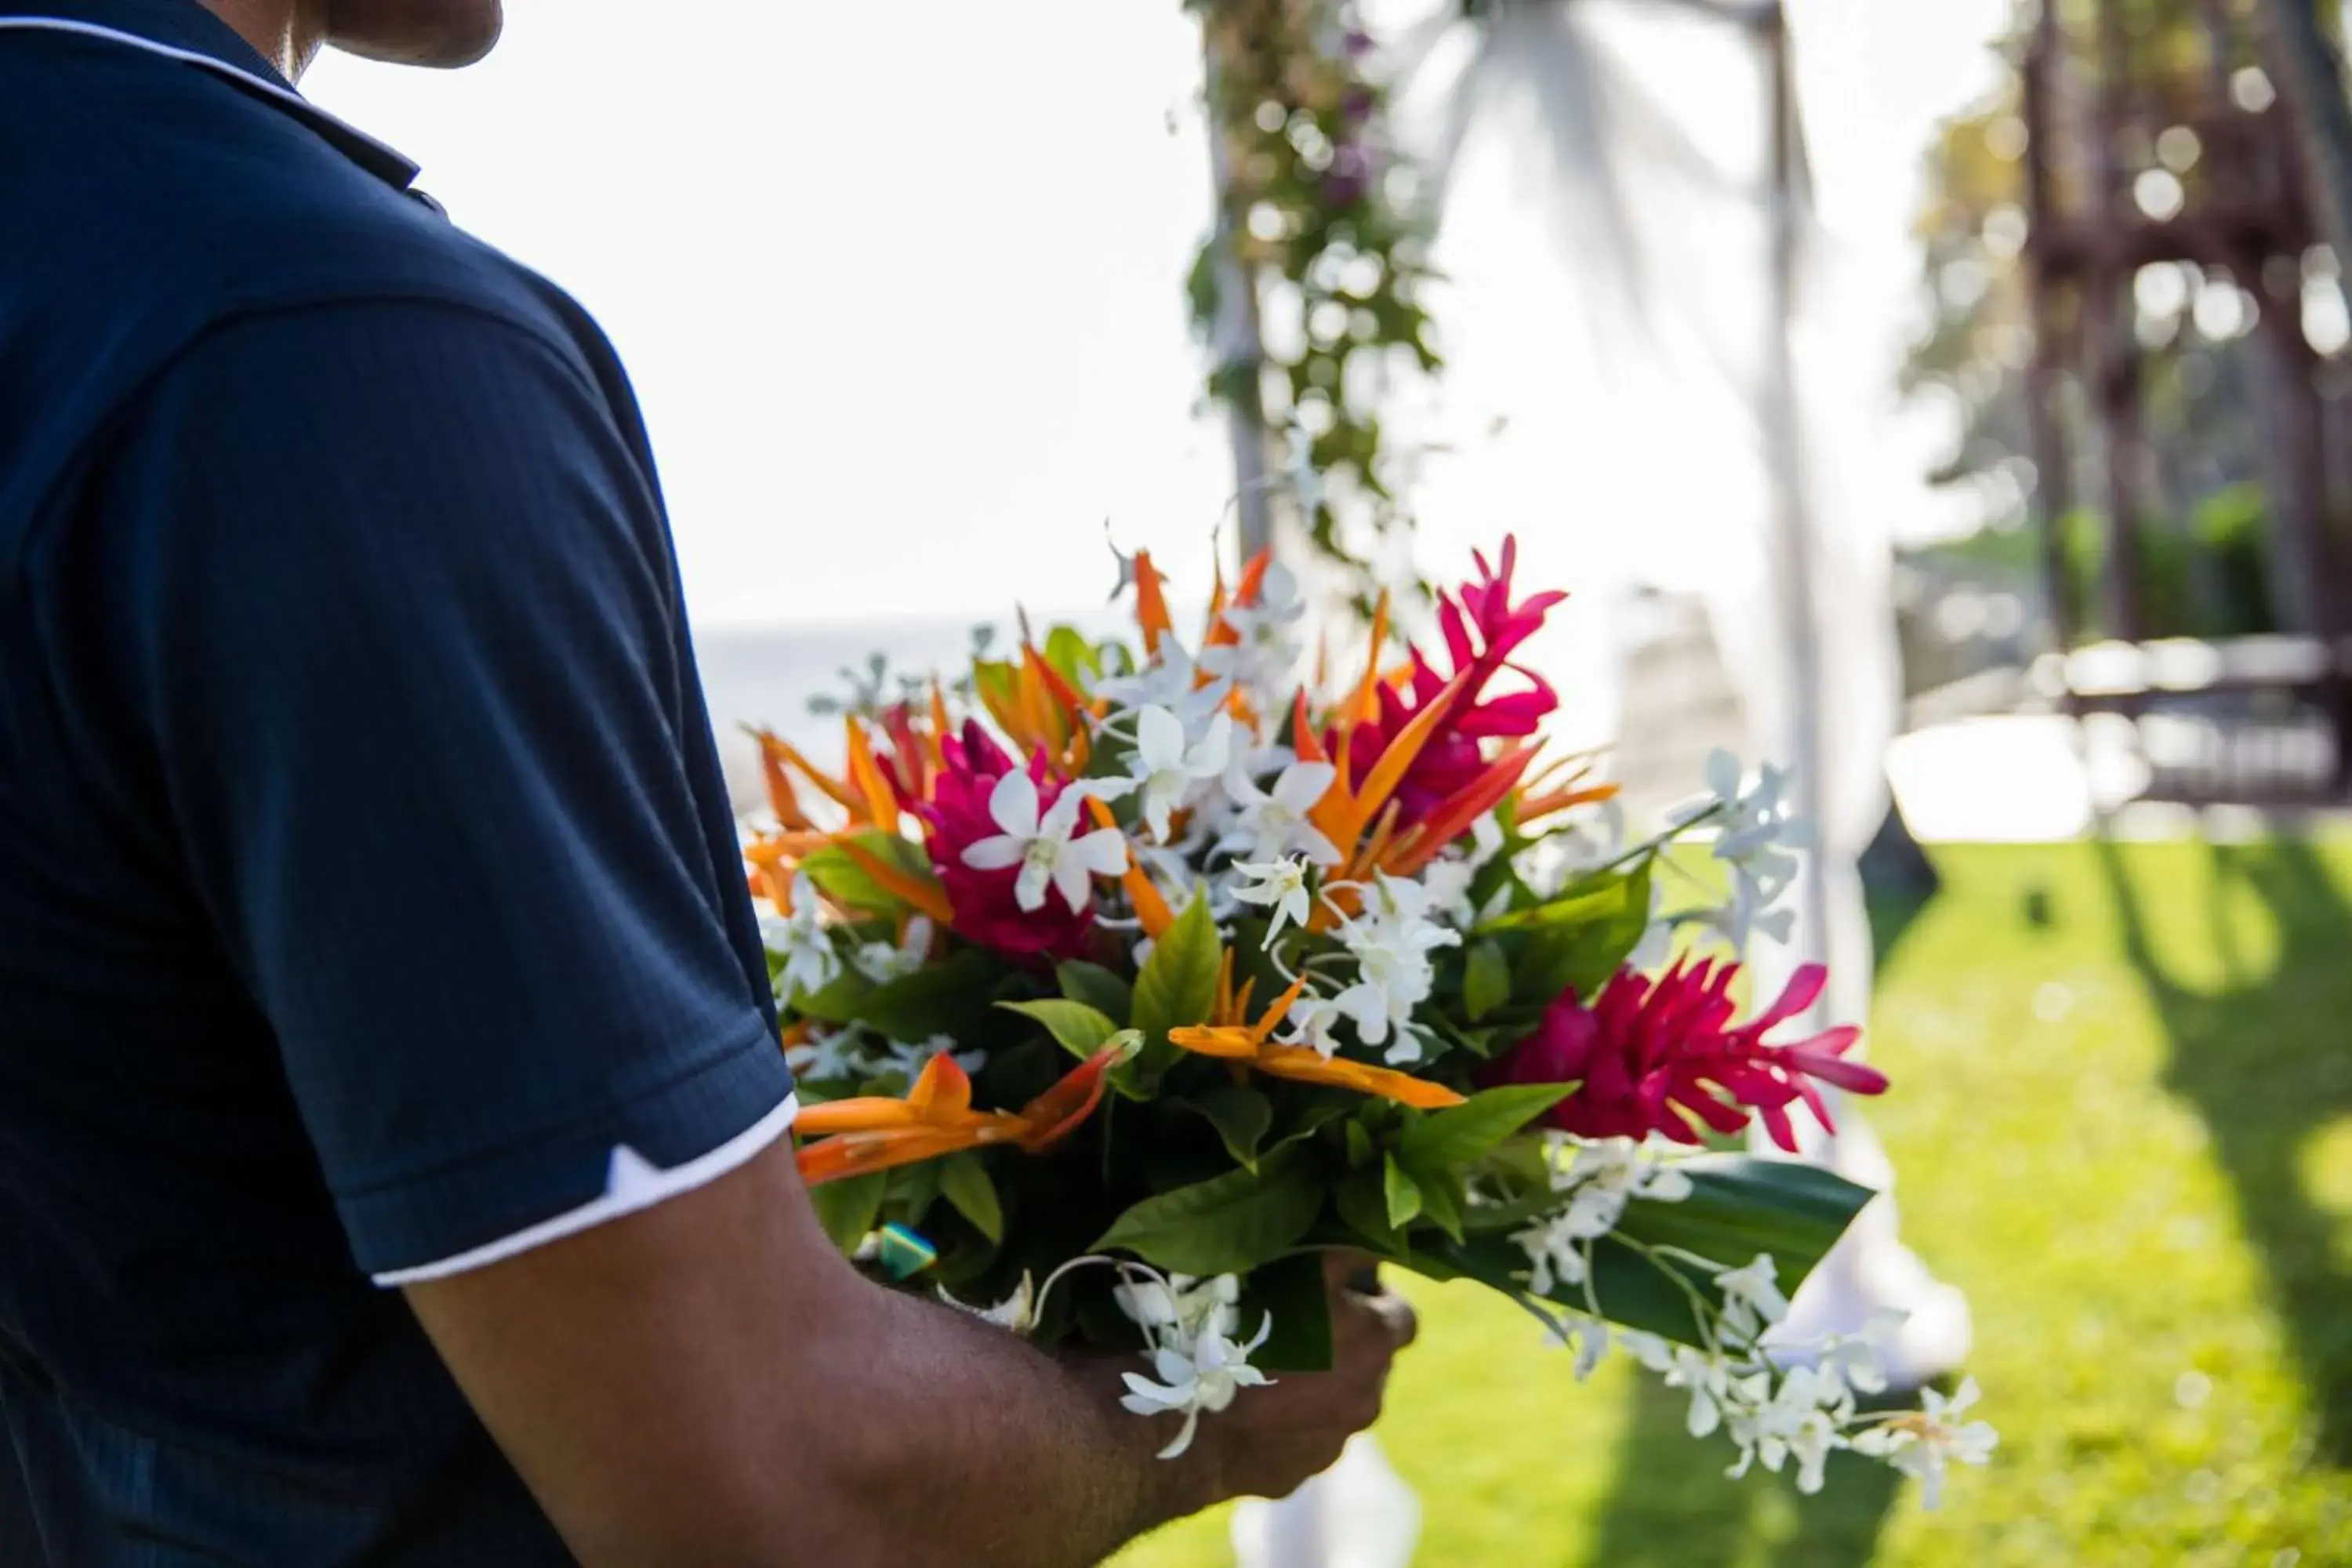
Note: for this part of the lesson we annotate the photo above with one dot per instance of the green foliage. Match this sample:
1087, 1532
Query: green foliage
964, 1182
1485, 980
1096, 987
846, 881
1179, 983
1079, 1028
1290, 1293
1242, 1117
848, 1208
1580, 943
1460, 1136
1228, 1225
1399, 1193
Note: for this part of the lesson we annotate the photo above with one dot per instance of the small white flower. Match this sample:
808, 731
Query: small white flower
1016, 1313
1921, 1443
1274, 822
1587, 1336
831, 1055
1199, 1365
1043, 847
1860, 1360
882, 961
1751, 1296
1311, 1019
911, 1059
800, 939
1555, 1250
1804, 1419
1263, 655
1171, 681
1757, 831
1167, 768
1279, 885
1392, 942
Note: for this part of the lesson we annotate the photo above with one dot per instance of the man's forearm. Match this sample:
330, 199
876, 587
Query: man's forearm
957, 1443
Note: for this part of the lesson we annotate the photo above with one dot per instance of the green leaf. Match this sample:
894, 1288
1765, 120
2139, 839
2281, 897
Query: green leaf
839, 1003
848, 1208
1179, 983
844, 881
1739, 1206
1362, 1200
1581, 954
1360, 1145
1242, 1117
1289, 1291
965, 1182
940, 999
1081, 1030
1401, 1193
1072, 655
1441, 1202
1487, 982
1229, 1225
1604, 899
1096, 987
1458, 1135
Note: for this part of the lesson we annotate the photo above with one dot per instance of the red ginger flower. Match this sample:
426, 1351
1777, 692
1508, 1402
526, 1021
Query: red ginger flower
1650, 1056
956, 817
1451, 760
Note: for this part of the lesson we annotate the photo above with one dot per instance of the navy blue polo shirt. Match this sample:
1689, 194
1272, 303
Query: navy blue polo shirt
370, 904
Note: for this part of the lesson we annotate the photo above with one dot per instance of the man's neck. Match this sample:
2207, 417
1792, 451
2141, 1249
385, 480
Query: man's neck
286, 32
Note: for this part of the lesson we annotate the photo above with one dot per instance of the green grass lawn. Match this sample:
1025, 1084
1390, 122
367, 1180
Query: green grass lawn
2122, 1109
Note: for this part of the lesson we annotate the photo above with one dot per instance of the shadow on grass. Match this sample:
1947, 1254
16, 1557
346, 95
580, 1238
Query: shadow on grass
1671, 1505
2267, 1062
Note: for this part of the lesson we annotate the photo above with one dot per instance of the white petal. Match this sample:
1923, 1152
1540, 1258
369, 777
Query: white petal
994, 853
1208, 758
1159, 741
1071, 881
1304, 784
1310, 840
1012, 804
1723, 773
1102, 852
1029, 887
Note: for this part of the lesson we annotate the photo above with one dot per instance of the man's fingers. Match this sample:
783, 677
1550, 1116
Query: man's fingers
1396, 1317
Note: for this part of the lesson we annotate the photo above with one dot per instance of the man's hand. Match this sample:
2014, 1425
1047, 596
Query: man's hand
1272, 1439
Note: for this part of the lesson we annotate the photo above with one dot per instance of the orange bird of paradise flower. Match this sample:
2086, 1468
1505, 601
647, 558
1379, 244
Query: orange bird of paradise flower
1229, 1036
876, 1133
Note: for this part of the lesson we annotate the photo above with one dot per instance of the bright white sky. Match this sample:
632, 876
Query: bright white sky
900, 288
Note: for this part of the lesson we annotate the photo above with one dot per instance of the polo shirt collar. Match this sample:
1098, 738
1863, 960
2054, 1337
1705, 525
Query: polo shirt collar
186, 30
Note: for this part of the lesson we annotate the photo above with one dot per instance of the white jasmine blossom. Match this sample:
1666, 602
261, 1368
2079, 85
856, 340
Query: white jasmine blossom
1757, 832
833, 1055
801, 940
911, 1059
1920, 1443
1279, 885
1311, 1019
1199, 1365
1751, 1297
882, 961
1043, 847
1274, 822
1172, 680
1390, 942
1168, 769
1016, 1313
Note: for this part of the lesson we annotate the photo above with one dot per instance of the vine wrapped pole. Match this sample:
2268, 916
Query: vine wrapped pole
1238, 341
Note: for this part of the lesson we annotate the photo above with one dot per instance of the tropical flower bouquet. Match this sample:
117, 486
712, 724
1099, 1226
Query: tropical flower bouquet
1121, 982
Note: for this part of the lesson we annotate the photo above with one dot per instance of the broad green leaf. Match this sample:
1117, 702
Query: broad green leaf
1450, 1139
1441, 1202
940, 999
838, 1002
1581, 956
1079, 1029
1229, 1225
848, 1208
965, 1182
1360, 1145
1401, 1195
1178, 983
1739, 1206
1485, 981
1241, 1116
1362, 1200
1290, 1291
1096, 987
1599, 903
844, 881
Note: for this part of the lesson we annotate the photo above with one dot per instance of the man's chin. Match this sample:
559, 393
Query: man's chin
441, 33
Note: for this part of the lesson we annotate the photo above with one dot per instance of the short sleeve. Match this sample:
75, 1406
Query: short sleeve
393, 606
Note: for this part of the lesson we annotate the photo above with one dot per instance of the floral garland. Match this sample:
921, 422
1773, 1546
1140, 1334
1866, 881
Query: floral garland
1310, 215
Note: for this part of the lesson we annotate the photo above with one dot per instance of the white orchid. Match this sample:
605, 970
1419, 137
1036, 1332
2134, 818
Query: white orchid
1280, 885
1311, 1019
1180, 1306
911, 1059
1758, 833
1043, 847
1751, 1296
1920, 1443
1274, 822
882, 961
1804, 1419
1172, 680
1707, 1377
800, 939
1262, 656
1168, 769
1390, 942
831, 1055
1204, 1377
1555, 1251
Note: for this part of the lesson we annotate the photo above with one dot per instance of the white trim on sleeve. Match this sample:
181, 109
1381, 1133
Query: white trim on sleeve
630, 1185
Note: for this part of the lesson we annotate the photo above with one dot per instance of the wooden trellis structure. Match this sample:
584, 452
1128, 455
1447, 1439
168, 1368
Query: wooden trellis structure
2092, 106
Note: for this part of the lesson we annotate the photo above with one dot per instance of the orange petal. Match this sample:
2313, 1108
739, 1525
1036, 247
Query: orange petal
916, 892
1150, 602
1303, 738
785, 751
867, 1113
1365, 704
866, 772
1061, 1109
1215, 1040
1483, 795
859, 1153
1537, 807
1302, 1065
1150, 909
1396, 757
942, 1091
1273, 1017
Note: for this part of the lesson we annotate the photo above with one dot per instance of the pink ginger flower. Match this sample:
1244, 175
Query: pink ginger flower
1482, 628
1652, 1056
986, 903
